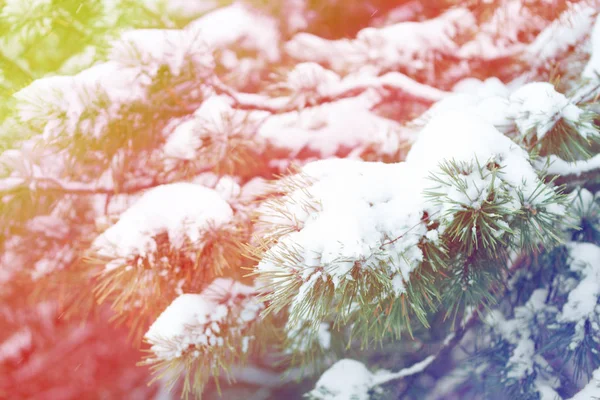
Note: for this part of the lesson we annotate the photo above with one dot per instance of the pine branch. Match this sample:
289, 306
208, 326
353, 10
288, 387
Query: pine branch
13, 185
391, 82
10, 186
450, 342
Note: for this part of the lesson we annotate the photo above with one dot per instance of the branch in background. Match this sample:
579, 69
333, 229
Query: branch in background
584, 173
450, 342
589, 92
13, 185
390, 82
589, 180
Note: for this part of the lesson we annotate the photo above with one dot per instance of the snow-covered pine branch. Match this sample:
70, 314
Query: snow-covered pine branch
152, 187
202, 335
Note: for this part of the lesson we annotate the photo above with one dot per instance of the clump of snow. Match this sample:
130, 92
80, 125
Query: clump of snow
473, 139
391, 80
407, 44
532, 109
462, 137
561, 167
228, 188
345, 380
197, 322
347, 219
296, 15
340, 55
344, 214
333, 383
537, 107
324, 336
183, 143
489, 87
411, 43
182, 210
336, 235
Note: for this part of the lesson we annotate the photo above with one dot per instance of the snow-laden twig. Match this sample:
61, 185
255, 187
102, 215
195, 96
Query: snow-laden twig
404, 372
448, 344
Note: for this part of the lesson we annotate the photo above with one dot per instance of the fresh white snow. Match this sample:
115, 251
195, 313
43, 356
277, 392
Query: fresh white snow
193, 322
182, 210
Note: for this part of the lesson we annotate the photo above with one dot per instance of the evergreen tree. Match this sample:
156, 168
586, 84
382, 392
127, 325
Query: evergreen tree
329, 199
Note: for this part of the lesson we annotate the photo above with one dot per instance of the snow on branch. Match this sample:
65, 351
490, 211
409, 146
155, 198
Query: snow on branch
340, 221
346, 379
239, 24
550, 121
350, 379
410, 45
311, 85
198, 335
539, 115
220, 136
190, 209
500, 34
523, 360
561, 167
569, 29
246, 123
87, 102
582, 306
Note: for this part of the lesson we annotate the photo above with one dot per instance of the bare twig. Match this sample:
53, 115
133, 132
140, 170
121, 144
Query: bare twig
450, 342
